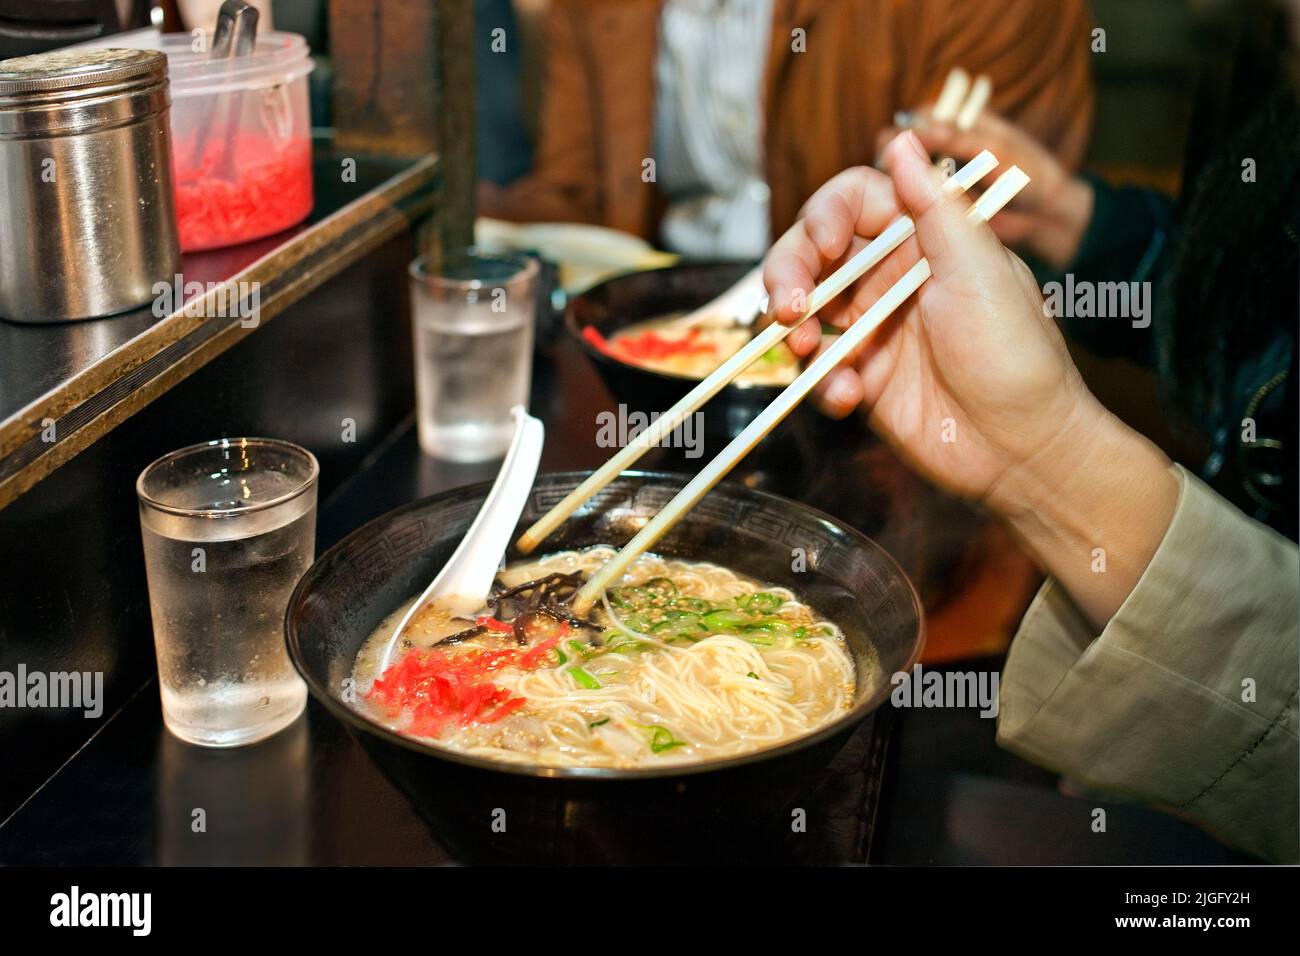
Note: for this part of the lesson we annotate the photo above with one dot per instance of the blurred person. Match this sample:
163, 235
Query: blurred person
705, 124
1221, 261
1160, 658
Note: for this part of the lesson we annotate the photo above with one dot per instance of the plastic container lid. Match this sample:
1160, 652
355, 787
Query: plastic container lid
277, 58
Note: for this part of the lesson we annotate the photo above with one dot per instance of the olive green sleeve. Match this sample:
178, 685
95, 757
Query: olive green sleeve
1188, 698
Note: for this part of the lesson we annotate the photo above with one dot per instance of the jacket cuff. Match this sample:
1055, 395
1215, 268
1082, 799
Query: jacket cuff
1159, 704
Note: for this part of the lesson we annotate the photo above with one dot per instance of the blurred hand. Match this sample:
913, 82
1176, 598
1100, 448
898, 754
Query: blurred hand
1049, 217
969, 379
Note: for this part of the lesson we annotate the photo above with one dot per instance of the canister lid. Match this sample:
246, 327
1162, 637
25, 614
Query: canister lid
79, 69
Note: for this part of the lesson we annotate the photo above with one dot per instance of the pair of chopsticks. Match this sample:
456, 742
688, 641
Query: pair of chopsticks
961, 102
997, 196
897, 232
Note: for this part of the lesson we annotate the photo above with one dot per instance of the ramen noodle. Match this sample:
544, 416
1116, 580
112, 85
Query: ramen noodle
683, 662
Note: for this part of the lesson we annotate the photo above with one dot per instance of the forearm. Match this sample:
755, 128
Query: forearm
1154, 704
1092, 506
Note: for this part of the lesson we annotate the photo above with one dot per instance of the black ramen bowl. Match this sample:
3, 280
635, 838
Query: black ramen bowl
490, 811
626, 300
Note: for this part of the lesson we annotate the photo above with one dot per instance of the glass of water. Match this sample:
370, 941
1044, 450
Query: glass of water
473, 322
229, 527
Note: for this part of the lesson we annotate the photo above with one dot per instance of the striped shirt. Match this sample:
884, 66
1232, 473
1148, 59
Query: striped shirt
709, 127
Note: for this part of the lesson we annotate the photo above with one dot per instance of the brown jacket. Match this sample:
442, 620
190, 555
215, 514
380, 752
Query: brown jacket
863, 60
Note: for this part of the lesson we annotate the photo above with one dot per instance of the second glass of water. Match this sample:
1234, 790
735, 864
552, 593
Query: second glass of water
473, 322
229, 527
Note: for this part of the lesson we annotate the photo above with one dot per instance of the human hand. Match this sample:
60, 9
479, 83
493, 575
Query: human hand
971, 383
1050, 215
970, 379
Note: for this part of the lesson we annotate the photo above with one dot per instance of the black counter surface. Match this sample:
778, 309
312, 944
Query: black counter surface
937, 790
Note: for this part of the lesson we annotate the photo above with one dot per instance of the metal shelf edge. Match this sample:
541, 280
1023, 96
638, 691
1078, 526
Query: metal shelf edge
89, 404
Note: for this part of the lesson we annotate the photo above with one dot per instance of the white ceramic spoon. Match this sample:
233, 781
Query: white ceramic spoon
464, 583
738, 307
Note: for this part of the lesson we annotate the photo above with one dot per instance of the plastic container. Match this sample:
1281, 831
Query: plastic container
241, 136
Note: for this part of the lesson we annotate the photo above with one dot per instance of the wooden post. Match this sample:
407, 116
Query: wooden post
453, 226
404, 86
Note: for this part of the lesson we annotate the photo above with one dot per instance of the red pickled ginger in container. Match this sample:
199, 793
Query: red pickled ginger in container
241, 134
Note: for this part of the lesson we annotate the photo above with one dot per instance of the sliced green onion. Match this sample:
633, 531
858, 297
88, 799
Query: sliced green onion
663, 739
660, 585
770, 633
638, 622
725, 621
657, 607
598, 723
685, 624
584, 679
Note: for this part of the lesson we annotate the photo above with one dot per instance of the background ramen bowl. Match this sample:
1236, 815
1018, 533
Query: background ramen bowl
573, 814
625, 300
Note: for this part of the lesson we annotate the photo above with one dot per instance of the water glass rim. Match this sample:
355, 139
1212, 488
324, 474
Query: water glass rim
526, 268
243, 442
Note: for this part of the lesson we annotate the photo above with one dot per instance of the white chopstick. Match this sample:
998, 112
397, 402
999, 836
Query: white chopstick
975, 103
998, 195
953, 95
895, 234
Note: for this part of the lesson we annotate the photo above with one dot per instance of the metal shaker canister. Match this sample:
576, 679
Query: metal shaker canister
87, 221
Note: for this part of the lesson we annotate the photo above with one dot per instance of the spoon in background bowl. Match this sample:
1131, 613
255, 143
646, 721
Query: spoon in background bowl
738, 307
464, 583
